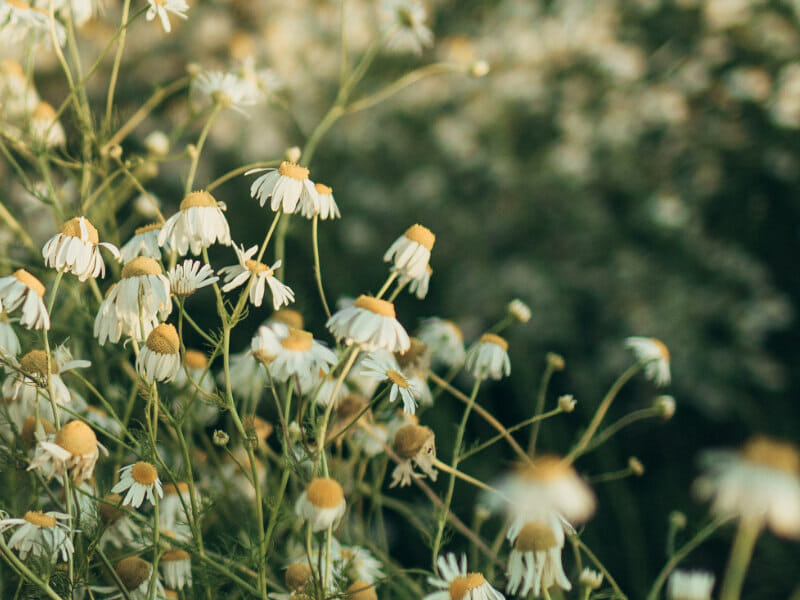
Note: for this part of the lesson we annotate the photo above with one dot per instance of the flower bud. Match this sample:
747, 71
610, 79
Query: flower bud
220, 438
665, 405
293, 154
636, 466
555, 361
567, 403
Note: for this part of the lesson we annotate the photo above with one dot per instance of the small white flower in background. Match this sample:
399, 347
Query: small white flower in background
385, 368
325, 207
160, 359
655, 357
45, 128
444, 340
189, 276
227, 90
535, 560
324, 394
411, 252
163, 7
418, 285
198, 223
171, 511
100, 418
456, 583
322, 503
300, 355
9, 342
23, 290
249, 377
519, 310
404, 20
371, 323
157, 143
135, 574
176, 567
140, 481
414, 444
590, 579
266, 81
690, 585
74, 450
136, 304
760, 484
119, 528
237, 275
21, 21
40, 534
360, 564
17, 92
76, 250
488, 357
289, 188
143, 243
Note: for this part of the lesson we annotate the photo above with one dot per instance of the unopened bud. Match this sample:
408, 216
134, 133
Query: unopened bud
591, 579
665, 405
479, 68
519, 310
481, 513
115, 152
293, 154
677, 519
220, 438
555, 361
636, 466
194, 69
157, 143
567, 403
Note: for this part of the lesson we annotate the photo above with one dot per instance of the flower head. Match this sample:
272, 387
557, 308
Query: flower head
135, 575
456, 583
176, 565
299, 354
289, 188
444, 340
322, 503
227, 90
189, 276
371, 323
73, 449
654, 355
76, 249
385, 368
535, 560
326, 206
488, 357
23, 290
198, 223
161, 8
237, 275
414, 444
143, 243
405, 20
411, 252
690, 585
140, 480
160, 359
40, 534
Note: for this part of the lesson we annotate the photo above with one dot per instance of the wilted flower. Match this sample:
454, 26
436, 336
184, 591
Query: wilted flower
176, 566
411, 252
74, 449
371, 323
23, 290
414, 444
160, 359
198, 223
322, 503
237, 275
76, 250
289, 187
488, 357
535, 560
136, 575
654, 356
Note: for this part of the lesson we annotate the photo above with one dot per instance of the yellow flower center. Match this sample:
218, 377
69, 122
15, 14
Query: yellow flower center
132, 572
295, 171
195, 359
322, 189
491, 338
148, 228
200, 198
461, 585
35, 363
144, 473
44, 111
297, 340
297, 576
39, 519
164, 339
397, 378
535, 537
140, 266
662, 348
108, 509
421, 235
77, 438
375, 305
289, 317
171, 490
175, 555
72, 228
773, 453
257, 267
547, 468
324, 492
410, 439
30, 281
361, 590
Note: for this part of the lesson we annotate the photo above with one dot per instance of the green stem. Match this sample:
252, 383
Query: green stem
540, 400
741, 553
199, 148
317, 268
612, 582
117, 61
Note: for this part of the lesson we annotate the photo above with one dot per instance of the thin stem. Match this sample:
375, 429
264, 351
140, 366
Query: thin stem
317, 268
612, 582
540, 400
199, 148
471, 480
25, 572
323, 430
240, 170
384, 288
617, 426
520, 425
126, 6
741, 553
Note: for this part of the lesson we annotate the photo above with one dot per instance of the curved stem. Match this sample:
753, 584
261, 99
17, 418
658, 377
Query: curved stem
540, 400
317, 268
199, 148
126, 6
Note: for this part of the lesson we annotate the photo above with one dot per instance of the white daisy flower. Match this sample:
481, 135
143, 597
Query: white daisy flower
418, 285
143, 243
326, 206
324, 390
21, 21
322, 503
76, 250
371, 323
411, 252
140, 481
40, 534
135, 574
360, 564
21, 289
176, 567
17, 92
535, 560
759, 484
690, 585
198, 223
302, 356
488, 357
161, 8
171, 512
404, 20
444, 340
654, 356
590, 578
549, 484
289, 188
456, 583
189, 276
119, 529
160, 359
227, 90
414, 444
45, 128
136, 304
9, 342
73, 450
237, 275
385, 368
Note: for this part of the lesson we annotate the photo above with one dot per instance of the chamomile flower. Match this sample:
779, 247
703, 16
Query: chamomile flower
535, 560
405, 21
160, 359
45, 127
119, 529
32, 383
519, 310
654, 356
759, 484
414, 444
289, 188
198, 223
227, 90
176, 567
73, 450
143, 243
171, 512
590, 578
136, 304
326, 206
237, 275
189, 276
9, 342
488, 357
385, 368
161, 8
690, 585
455, 583
19, 20
322, 503
140, 481
135, 574
40, 534
410, 253
23, 290
444, 340
360, 564
371, 323
301, 356
297, 577
76, 250
418, 285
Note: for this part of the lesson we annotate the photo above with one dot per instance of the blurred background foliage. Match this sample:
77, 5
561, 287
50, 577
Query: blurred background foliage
628, 167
